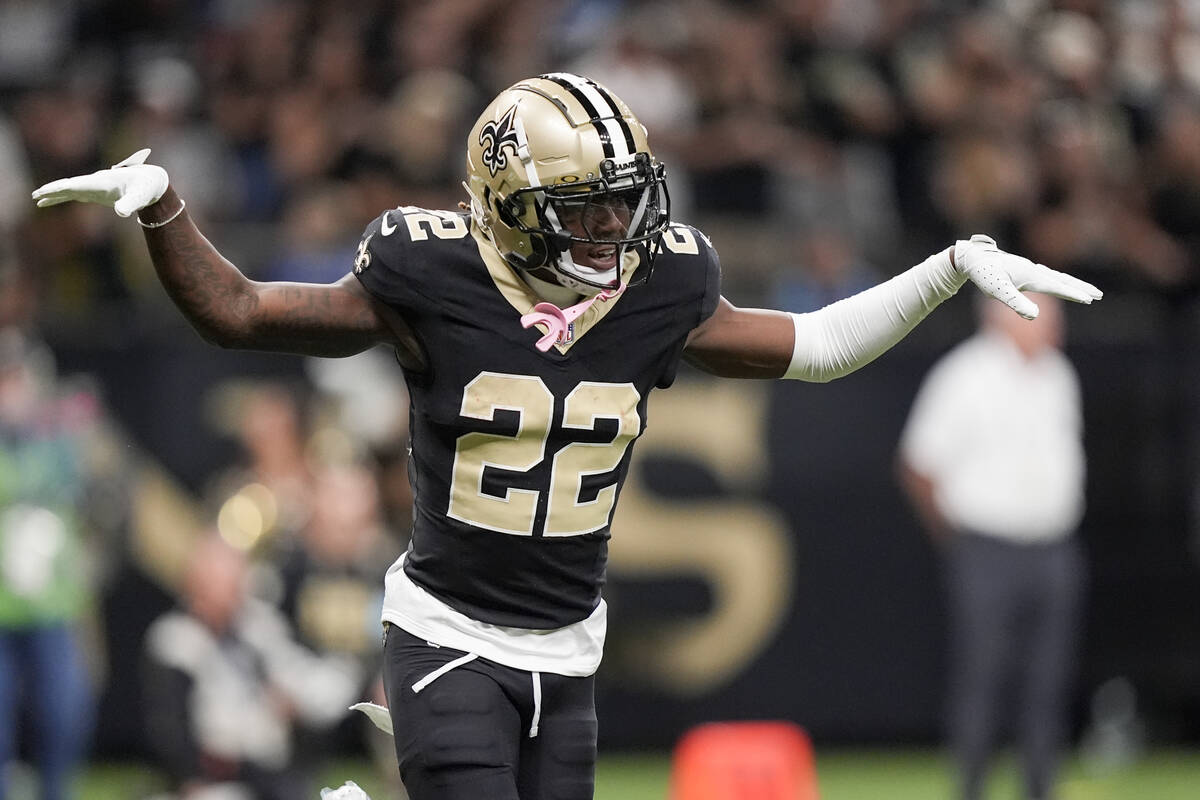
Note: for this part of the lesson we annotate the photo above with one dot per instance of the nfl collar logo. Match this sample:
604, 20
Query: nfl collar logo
567, 336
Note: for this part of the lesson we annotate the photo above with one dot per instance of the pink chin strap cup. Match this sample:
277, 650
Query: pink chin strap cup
557, 320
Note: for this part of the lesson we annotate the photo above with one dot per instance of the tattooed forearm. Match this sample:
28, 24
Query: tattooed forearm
230, 310
215, 297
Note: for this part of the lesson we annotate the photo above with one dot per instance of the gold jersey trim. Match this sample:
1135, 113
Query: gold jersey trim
522, 298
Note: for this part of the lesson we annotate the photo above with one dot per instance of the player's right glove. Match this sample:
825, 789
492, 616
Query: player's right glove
125, 187
1003, 275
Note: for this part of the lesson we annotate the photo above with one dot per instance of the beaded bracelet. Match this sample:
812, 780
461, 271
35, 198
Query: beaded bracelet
182, 206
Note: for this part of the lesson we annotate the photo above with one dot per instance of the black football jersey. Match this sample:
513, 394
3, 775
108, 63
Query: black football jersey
518, 455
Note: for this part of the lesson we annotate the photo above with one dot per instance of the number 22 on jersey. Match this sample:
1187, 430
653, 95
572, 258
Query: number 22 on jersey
516, 512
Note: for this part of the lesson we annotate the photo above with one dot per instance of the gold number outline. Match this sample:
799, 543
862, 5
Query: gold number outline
516, 513
442, 224
680, 240
564, 511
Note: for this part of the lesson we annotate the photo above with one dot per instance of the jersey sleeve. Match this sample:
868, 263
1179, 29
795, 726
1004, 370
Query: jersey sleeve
712, 279
689, 265
381, 262
692, 267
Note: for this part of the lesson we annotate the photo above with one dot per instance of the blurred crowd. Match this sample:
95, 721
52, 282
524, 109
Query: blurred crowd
825, 144
265, 628
1065, 127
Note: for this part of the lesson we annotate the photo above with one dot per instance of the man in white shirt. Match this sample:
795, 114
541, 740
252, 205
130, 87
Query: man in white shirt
992, 459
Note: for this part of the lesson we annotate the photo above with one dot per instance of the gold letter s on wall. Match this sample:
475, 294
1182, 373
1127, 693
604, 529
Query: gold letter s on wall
740, 546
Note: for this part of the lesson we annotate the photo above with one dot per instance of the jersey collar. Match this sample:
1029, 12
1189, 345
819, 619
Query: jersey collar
522, 298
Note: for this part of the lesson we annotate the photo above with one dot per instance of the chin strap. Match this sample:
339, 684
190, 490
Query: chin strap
558, 320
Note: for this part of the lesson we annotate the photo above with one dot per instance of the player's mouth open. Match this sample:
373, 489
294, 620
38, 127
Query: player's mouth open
601, 258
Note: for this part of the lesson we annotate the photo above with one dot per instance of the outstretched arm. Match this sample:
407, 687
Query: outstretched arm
230, 310
222, 304
742, 342
840, 338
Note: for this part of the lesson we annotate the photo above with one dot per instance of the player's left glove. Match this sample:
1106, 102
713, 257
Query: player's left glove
125, 187
1003, 275
347, 791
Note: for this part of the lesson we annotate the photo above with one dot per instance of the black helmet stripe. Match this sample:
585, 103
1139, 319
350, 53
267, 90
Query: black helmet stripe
606, 120
629, 143
589, 108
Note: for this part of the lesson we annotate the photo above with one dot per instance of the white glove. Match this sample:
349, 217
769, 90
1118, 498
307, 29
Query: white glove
1003, 275
347, 791
126, 187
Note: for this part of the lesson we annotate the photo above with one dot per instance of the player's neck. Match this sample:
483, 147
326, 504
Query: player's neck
561, 296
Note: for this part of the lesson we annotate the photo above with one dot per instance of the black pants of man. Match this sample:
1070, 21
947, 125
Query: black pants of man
467, 728
1015, 623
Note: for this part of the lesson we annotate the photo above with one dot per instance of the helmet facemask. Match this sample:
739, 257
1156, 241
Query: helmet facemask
595, 220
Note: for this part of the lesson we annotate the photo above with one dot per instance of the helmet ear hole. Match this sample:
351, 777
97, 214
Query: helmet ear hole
509, 209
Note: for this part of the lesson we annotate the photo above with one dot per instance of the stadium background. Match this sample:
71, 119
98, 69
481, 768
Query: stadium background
764, 563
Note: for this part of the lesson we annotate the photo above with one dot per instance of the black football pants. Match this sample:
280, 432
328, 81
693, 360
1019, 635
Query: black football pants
470, 729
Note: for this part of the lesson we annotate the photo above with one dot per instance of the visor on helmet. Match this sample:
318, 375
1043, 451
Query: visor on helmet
623, 208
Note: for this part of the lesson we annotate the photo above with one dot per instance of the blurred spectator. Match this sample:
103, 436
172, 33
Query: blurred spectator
828, 269
982, 176
333, 578
422, 126
367, 401
644, 65
14, 189
33, 35
1174, 185
740, 137
319, 241
167, 93
1092, 215
332, 583
270, 423
44, 586
992, 458
225, 684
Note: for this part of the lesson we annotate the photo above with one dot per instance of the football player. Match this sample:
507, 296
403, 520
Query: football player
531, 326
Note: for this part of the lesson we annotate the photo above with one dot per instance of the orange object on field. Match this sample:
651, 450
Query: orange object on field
744, 761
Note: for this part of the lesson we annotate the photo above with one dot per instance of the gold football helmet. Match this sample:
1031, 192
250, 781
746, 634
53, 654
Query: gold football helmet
559, 161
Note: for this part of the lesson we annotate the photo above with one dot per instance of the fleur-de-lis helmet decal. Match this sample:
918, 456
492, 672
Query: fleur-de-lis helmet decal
495, 137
